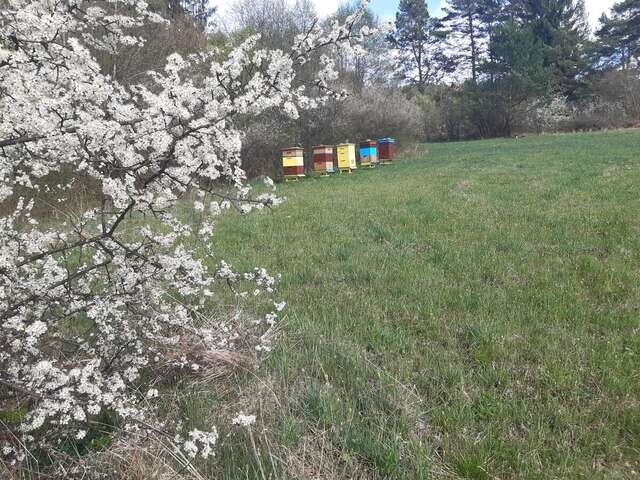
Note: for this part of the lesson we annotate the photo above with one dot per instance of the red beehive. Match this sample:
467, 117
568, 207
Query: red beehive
323, 159
386, 150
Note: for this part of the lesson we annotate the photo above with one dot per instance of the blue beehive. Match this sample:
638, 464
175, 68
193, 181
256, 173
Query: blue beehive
369, 153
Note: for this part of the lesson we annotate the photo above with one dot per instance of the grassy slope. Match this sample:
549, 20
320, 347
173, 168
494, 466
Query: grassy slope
472, 312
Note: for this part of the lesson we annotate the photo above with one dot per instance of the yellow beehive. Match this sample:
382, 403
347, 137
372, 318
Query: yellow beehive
293, 163
346, 157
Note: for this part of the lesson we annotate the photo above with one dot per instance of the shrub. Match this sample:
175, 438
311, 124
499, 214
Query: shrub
96, 309
380, 112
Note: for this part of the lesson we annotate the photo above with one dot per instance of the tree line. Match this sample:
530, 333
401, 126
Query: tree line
493, 67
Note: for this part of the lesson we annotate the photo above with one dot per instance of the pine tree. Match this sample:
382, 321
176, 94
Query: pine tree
618, 44
518, 74
465, 18
562, 27
419, 40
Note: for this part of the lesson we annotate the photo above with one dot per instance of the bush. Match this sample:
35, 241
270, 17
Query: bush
100, 308
377, 113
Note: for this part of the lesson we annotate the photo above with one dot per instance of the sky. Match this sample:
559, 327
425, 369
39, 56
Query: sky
386, 9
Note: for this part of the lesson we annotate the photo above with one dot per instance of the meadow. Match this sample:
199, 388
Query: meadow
472, 311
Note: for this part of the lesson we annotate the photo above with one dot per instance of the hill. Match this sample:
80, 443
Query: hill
469, 312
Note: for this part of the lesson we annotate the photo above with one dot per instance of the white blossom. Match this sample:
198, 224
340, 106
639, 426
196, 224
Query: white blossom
244, 420
142, 148
200, 443
269, 183
152, 393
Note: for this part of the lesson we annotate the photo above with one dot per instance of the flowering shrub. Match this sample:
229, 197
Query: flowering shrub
89, 306
543, 114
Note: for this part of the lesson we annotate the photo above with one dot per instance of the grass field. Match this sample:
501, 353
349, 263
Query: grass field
472, 311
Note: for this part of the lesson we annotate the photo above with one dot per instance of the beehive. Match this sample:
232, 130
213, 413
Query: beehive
369, 153
386, 150
347, 157
293, 163
323, 159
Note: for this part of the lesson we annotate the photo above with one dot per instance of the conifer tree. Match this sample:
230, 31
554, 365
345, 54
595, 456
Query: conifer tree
618, 44
419, 40
465, 18
562, 27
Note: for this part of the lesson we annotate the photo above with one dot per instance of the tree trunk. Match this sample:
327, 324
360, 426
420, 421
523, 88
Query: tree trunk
474, 54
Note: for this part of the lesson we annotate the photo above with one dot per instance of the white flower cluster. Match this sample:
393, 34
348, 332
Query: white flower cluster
198, 443
244, 420
87, 305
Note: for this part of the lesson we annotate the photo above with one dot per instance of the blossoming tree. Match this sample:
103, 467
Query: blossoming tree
90, 303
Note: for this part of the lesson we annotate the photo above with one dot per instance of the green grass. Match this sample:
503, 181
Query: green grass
470, 312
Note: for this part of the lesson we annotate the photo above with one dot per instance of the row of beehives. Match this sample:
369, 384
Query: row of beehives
371, 153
